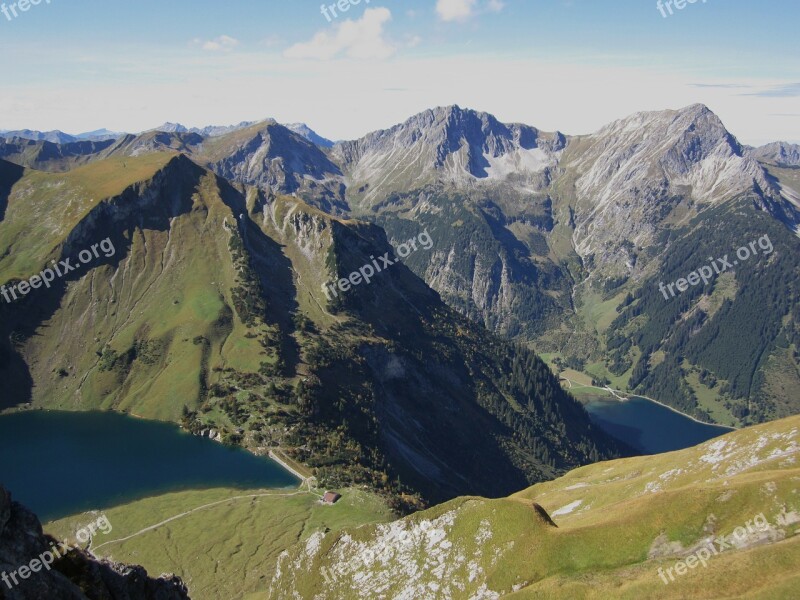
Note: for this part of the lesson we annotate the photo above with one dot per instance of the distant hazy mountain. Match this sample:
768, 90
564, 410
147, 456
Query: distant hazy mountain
59, 137
170, 128
208, 131
309, 134
215, 131
781, 154
55, 136
100, 135
48, 156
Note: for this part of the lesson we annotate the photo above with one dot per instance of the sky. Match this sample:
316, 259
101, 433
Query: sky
567, 65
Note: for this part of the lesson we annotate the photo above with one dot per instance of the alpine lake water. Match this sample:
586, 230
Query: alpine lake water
61, 463
649, 427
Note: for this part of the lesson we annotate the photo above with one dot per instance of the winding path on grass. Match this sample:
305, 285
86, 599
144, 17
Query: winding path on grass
194, 510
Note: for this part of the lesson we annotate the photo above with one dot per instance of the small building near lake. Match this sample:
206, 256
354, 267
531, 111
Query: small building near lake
330, 498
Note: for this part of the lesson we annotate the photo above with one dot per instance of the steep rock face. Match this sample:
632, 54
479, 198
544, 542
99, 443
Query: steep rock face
388, 343
490, 256
482, 186
76, 576
633, 173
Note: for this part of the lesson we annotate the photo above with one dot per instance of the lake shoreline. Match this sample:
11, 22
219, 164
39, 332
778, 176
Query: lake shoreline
626, 396
667, 406
649, 426
106, 458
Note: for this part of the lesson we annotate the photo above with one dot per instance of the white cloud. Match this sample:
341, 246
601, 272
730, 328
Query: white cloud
361, 39
461, 10
413, 41
271, 41
455, 10
496, 5
223, 43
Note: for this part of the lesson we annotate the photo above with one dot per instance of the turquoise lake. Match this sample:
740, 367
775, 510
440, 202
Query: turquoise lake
61, 463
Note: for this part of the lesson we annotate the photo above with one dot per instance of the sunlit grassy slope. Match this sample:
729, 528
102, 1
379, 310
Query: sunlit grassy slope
52, 205
614, 525
145, 310
228, 550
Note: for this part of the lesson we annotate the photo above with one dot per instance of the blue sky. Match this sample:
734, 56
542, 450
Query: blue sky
571, 65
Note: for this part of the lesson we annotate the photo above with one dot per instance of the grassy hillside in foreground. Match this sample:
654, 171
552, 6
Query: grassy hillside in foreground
228, 550
614, 524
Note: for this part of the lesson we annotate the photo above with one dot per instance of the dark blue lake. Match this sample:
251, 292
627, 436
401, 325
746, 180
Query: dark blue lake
649, 427
60, 463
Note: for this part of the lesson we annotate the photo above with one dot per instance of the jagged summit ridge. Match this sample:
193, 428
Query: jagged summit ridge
452, 144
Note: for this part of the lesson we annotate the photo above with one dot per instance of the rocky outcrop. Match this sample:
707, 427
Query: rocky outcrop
76, 576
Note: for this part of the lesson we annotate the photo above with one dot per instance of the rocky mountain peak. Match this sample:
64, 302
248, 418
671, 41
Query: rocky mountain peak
170, 127
446, 144
271, 156
308, 133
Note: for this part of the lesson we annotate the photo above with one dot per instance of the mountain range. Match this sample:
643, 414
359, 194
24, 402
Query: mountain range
212, 312
431, 387
99, 135
555, 241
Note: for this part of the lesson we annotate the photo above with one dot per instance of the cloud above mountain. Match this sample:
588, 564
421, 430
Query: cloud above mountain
461, 10
358, 39
223, 43
455, 10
